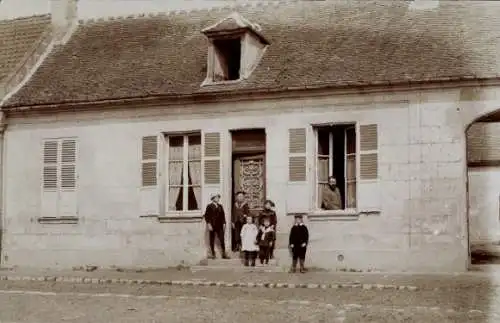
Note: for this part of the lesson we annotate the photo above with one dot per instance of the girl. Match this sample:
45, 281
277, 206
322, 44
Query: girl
269, 213
249, 233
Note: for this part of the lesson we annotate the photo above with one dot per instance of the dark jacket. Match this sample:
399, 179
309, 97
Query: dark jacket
298, 235
215, 216
240, 212
266, 236
268, 214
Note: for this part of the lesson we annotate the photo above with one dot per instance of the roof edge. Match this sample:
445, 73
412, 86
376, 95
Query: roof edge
45, 15
264, 93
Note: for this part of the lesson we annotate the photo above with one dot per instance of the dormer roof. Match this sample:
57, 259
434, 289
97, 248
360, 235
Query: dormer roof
234, 23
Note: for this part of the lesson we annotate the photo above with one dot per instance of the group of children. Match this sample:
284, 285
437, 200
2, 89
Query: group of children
260, 238
255, 237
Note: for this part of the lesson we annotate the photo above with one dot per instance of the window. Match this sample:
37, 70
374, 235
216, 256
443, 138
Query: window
336, 156
228, 59
59, 164
183, 172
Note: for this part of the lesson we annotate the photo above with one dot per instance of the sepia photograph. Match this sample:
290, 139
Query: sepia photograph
237, 161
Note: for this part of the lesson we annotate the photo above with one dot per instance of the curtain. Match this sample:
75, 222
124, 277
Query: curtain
194, 172
351, 181
323, 163
175, 168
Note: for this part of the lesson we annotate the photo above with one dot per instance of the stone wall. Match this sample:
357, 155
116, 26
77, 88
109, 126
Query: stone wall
421, 191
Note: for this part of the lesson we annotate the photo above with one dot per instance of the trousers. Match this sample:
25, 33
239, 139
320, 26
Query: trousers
219, 233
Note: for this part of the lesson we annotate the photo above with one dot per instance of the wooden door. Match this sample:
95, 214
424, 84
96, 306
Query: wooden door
249, 175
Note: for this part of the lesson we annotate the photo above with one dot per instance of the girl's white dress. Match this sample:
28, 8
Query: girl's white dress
249, 237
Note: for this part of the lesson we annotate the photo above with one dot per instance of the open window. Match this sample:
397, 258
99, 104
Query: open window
336, 157
227, 56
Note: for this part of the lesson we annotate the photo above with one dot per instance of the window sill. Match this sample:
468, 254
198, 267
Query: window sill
177, 217
336, 215
228, 82
58, 220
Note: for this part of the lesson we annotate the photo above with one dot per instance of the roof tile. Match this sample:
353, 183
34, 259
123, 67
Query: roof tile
311, 43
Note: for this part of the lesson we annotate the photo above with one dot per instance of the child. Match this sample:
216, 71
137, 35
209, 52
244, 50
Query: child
271, 214
299, 238
266, 240
249, 233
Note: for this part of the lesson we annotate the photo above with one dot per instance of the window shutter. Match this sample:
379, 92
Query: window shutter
369, 199
150, 200
68, 178
149, 167
297, 162
68, 164
368, 151
50, 194
50, 164
212, 150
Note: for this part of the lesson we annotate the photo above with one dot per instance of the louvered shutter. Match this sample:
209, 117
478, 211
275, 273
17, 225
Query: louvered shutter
150, 200
297, 162
483, 143
368, 187
368, 151
68, 178
212, 158
212, 177
298, 189
50, 194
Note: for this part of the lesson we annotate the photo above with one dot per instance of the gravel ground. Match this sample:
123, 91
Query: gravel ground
41, 302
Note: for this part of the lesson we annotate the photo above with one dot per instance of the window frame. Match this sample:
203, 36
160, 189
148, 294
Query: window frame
316, 209
213, 58
185, 173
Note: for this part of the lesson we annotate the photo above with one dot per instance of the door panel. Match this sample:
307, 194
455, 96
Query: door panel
250, 176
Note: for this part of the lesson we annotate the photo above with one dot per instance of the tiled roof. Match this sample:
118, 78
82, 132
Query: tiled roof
311, 43
17, 38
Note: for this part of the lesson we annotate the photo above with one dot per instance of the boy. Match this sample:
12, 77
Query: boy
265, 239
299, 238
216, 223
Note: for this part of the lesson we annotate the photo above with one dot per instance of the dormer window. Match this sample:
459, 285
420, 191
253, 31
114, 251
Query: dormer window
228, 56
235, 49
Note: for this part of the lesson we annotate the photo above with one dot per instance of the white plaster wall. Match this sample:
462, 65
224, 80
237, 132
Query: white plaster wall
421, 187
484, 194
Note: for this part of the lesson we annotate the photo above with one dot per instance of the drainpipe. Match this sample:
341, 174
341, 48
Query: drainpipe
3, 125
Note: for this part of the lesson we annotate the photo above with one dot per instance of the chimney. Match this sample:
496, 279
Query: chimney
64, 15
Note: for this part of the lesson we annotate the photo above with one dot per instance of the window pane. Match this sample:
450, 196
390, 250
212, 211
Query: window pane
194, 198
194, 143
351, 195
351, 140
175, 147
194, 174
323, 142
175, 173
175, 199
323, 169
351, 167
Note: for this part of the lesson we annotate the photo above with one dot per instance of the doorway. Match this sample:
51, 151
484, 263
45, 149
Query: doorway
249, 169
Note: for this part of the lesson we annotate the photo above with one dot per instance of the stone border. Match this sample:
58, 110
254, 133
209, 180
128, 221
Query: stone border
87, 280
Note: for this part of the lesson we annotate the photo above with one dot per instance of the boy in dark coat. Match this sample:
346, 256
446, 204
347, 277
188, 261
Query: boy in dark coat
216, 223
299, 238
269, 213
265, 239
238, 218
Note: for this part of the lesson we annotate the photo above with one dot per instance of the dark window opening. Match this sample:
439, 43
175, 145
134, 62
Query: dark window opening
336, 156
228, 52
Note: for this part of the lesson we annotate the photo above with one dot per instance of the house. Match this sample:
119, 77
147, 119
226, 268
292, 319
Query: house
118, 137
